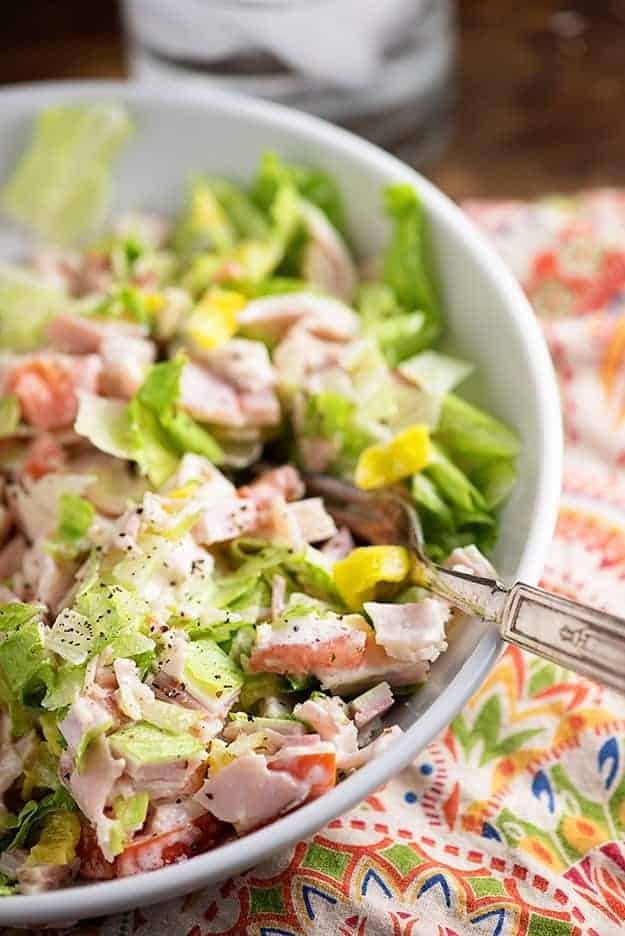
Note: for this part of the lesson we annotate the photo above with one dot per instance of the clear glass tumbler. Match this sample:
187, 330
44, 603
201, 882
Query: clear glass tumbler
381, 67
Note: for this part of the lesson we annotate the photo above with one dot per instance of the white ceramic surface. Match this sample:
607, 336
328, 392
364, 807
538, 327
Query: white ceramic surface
489, 322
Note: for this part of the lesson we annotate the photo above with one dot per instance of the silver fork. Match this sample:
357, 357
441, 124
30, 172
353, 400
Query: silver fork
580, 638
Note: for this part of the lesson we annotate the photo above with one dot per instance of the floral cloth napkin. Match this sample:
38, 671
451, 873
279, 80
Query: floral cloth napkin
512, 822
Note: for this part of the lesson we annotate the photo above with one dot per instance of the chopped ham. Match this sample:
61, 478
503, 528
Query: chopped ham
276, 523
167, 815
42, 579
11, 556
6, 522
328, 717
224, 519
469, 559
327, 263
364, 754
278, 596
173, 778
84, 716
272, 317
197, 468
80, 334
248, 794
412, 631
44, 455
314, 522
36, 503
260, 408
374, 665
244, 364
339, 546
310, 644
208, 398
285, 480
125, 360
301, 355
92, 788
371, 704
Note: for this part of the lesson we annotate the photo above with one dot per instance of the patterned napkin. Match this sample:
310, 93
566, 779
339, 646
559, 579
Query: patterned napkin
511, 823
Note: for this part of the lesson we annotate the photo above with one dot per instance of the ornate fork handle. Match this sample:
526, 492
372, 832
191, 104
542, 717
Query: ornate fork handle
580, 638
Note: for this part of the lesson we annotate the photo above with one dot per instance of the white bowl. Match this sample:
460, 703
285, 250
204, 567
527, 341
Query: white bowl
489, 322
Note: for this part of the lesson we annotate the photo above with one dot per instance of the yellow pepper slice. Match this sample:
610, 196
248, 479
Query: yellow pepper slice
357, 576
214, 319
58, 840
405, 455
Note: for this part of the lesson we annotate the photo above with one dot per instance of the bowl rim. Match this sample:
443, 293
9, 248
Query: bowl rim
106, 897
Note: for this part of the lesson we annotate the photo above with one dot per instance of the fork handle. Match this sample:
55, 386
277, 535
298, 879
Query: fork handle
582, 639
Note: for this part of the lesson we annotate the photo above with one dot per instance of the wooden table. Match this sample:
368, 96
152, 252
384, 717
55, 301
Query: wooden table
541, 95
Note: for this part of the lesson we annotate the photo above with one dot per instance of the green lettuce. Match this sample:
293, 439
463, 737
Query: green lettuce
61, 186
75, 518
407, 265
495, 480
313, 184
106, 424
471, 433
26, 306
9, 415
436, 373
33, 813
398, 332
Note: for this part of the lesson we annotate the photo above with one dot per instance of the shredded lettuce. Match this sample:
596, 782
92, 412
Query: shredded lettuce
452, 482
434, 372
495, 480
26, 306
35, 812
9, 415
60, 188
75, 518
314, 185
469, 432
105, 423
407, 265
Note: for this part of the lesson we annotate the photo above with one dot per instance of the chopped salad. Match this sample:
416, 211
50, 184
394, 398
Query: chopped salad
189, 645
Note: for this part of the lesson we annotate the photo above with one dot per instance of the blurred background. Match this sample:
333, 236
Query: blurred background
497, 98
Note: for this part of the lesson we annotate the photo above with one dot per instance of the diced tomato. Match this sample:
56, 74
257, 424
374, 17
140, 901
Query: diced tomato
315, 767
150, 852
43, 455
45, 391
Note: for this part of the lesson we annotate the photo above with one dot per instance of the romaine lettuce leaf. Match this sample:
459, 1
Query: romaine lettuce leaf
468, 431
434, 372
9, 415
495, 480
406, 260
314, 185
75, 518
61, 185
105, 423
26, 306
399, 332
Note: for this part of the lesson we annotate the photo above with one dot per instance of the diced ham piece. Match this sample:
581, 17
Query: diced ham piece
93, 787
208, 398
84, 715
42, 579
364, 754
244, 364
173, 778
36, 504
46, 386
309, 644
328, 717
276, 523
313, 764
470, 560
412, 631
285, 481
327, 263
248, 794
125, 360
272, 317
166, 815
339, 546
278, 596
11, 557
225, 519
371, 704
43, 455
260, 408
314, 522
80, 334
375, 665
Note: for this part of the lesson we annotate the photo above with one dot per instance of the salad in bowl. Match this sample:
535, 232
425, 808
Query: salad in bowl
190, 646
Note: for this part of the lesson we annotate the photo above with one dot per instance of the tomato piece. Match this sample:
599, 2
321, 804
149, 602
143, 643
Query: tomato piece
315, 767
46, 395
150, 852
